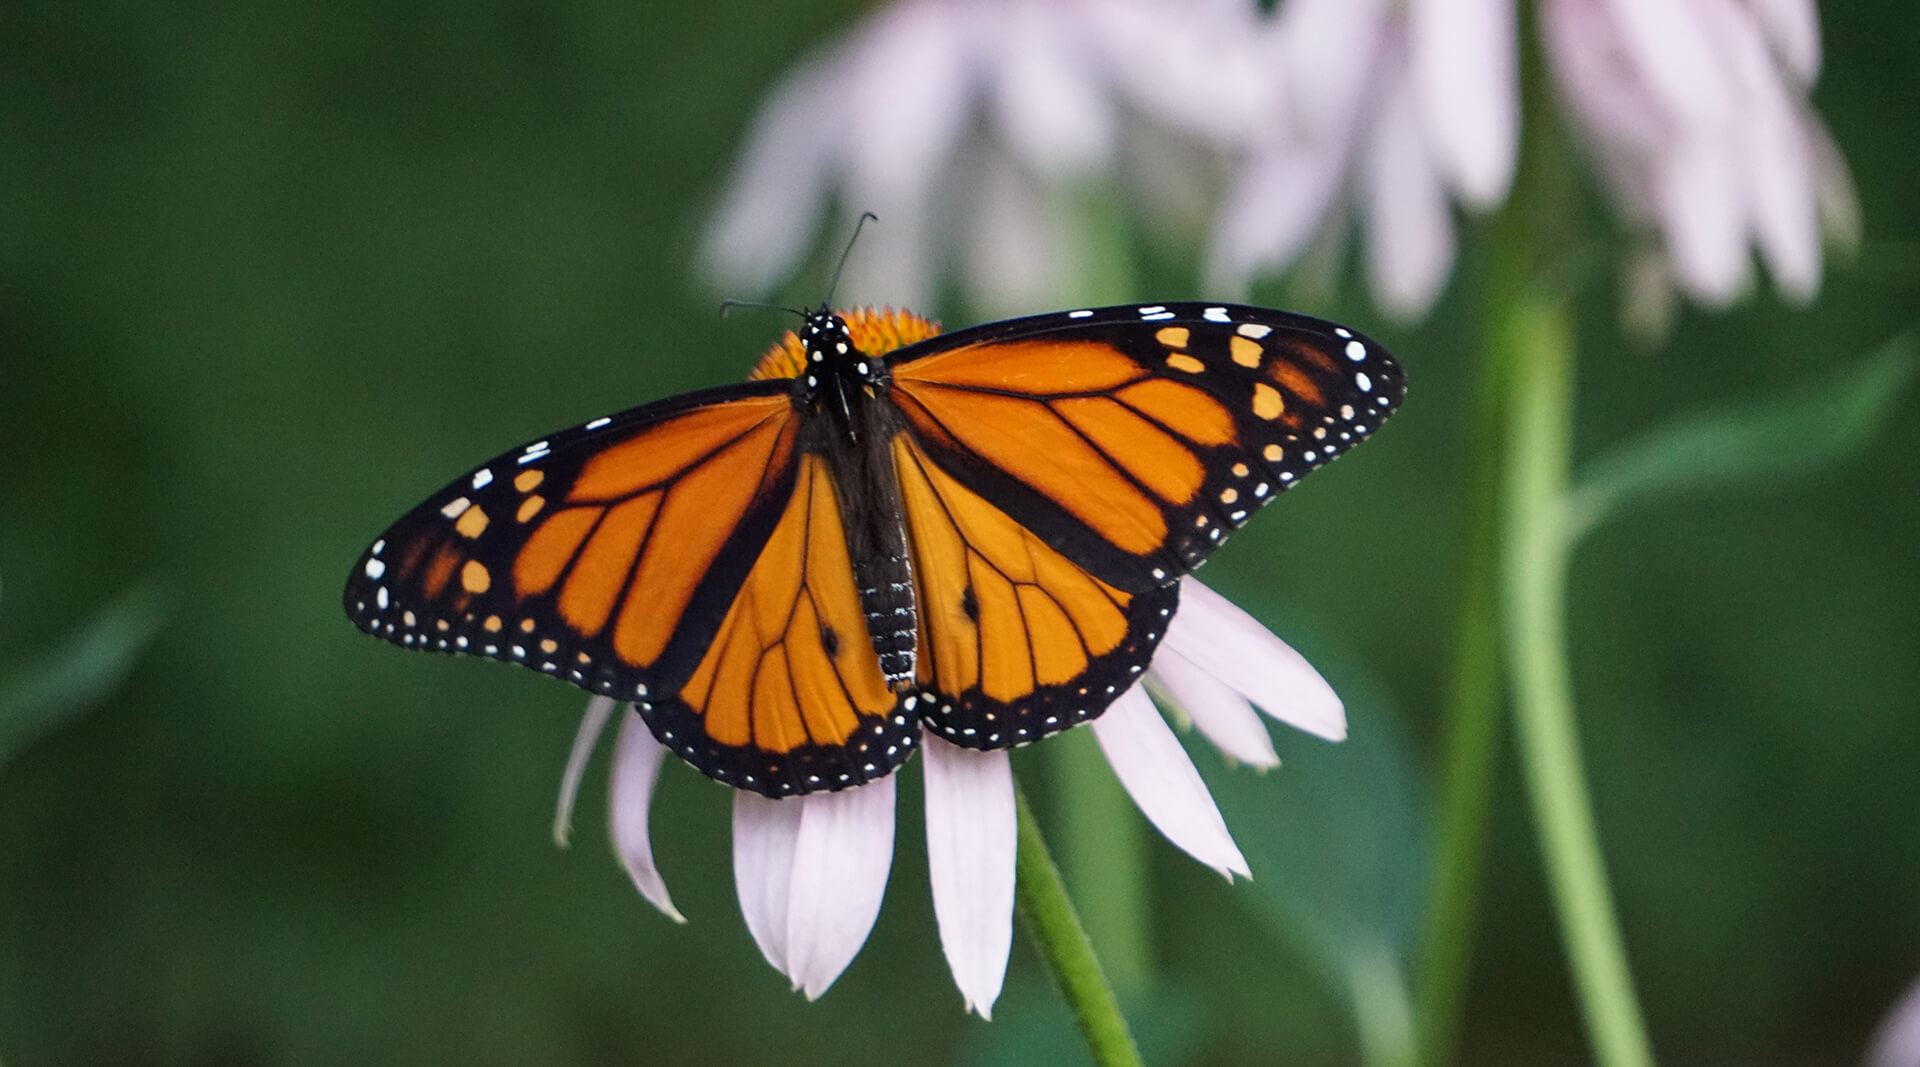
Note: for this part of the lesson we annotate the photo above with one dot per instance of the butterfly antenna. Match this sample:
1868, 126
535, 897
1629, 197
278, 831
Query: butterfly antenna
835, 284
729, 304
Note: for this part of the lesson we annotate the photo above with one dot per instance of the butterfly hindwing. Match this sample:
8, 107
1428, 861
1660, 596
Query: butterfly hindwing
1017, 641
1134, 439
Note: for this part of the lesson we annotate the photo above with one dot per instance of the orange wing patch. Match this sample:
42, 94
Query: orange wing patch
645, 518
1001, 611
792, 664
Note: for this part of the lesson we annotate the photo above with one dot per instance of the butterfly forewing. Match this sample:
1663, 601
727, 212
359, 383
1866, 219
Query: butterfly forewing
1134, 439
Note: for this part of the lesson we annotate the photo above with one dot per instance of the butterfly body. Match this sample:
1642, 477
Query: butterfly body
887, 529
844, 391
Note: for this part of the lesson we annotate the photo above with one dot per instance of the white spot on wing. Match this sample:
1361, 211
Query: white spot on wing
1365, 383
599, 422
1079, 314
1215, 315
454, 507
482, 478
1254, 330
1356, 351
375, 569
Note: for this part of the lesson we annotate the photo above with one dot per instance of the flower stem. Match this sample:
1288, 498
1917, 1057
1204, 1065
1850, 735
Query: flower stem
1472, 745
1102, 854
1537, 337
1047, 913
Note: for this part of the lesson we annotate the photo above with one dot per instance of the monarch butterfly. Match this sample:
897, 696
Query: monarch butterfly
885, 528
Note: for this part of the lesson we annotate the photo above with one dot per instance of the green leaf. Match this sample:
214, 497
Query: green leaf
1757, 443
1337, 839
81, 672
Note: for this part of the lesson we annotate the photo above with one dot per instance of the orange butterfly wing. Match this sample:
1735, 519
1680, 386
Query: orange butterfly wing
1062, 471
685, 556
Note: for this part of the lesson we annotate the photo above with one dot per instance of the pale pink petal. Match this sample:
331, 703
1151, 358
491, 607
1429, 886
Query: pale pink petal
1232, 646
1785, 213
1015, 251
971, 838
1279, 201
840, 863
1838, 203
910, 92
1698, 195
1647, 299
1467, 85
1409, 223
772, 203
599, 709
764, 832
1676, 57
1208, 71
1331, 53
1596, 75
1052, 112
895, 264
1897, 1042
1220, 713
1148, 760
636, 767
1792, 29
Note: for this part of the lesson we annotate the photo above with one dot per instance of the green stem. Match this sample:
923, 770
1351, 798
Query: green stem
1102, 854
1048, 916
1537, 337
1472, 740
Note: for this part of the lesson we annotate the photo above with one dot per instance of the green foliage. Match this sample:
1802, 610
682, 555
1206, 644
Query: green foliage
61, 683
1767, 443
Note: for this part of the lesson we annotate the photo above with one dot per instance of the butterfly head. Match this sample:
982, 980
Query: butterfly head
867, 333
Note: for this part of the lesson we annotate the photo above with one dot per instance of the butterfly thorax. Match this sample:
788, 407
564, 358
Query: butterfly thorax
851, 424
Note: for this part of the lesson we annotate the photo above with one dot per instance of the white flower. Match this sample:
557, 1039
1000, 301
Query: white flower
1696, 113
811, 870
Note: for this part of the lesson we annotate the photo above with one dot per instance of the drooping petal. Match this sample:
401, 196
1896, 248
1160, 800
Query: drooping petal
599, 709
1675, 57
840, 863
1467, 84
1409, 224
636, 767
1221, 715
971, 836
1054, 115
1897, 1042
1589, 62
1016, 253
1232, 646
911, 91
1148, 760
764, 832
1792, 29
1776, 164
1212, 72
1331, 52
772, 204
1698, 196
1279, 201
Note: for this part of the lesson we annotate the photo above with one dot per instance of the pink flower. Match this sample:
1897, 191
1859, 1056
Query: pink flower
1394, 112
1696, 113
811, 870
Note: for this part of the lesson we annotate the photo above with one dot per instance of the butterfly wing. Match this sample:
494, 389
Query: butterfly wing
684, 555
1061, 471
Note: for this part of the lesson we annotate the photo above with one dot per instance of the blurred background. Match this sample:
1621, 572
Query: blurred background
269, 274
